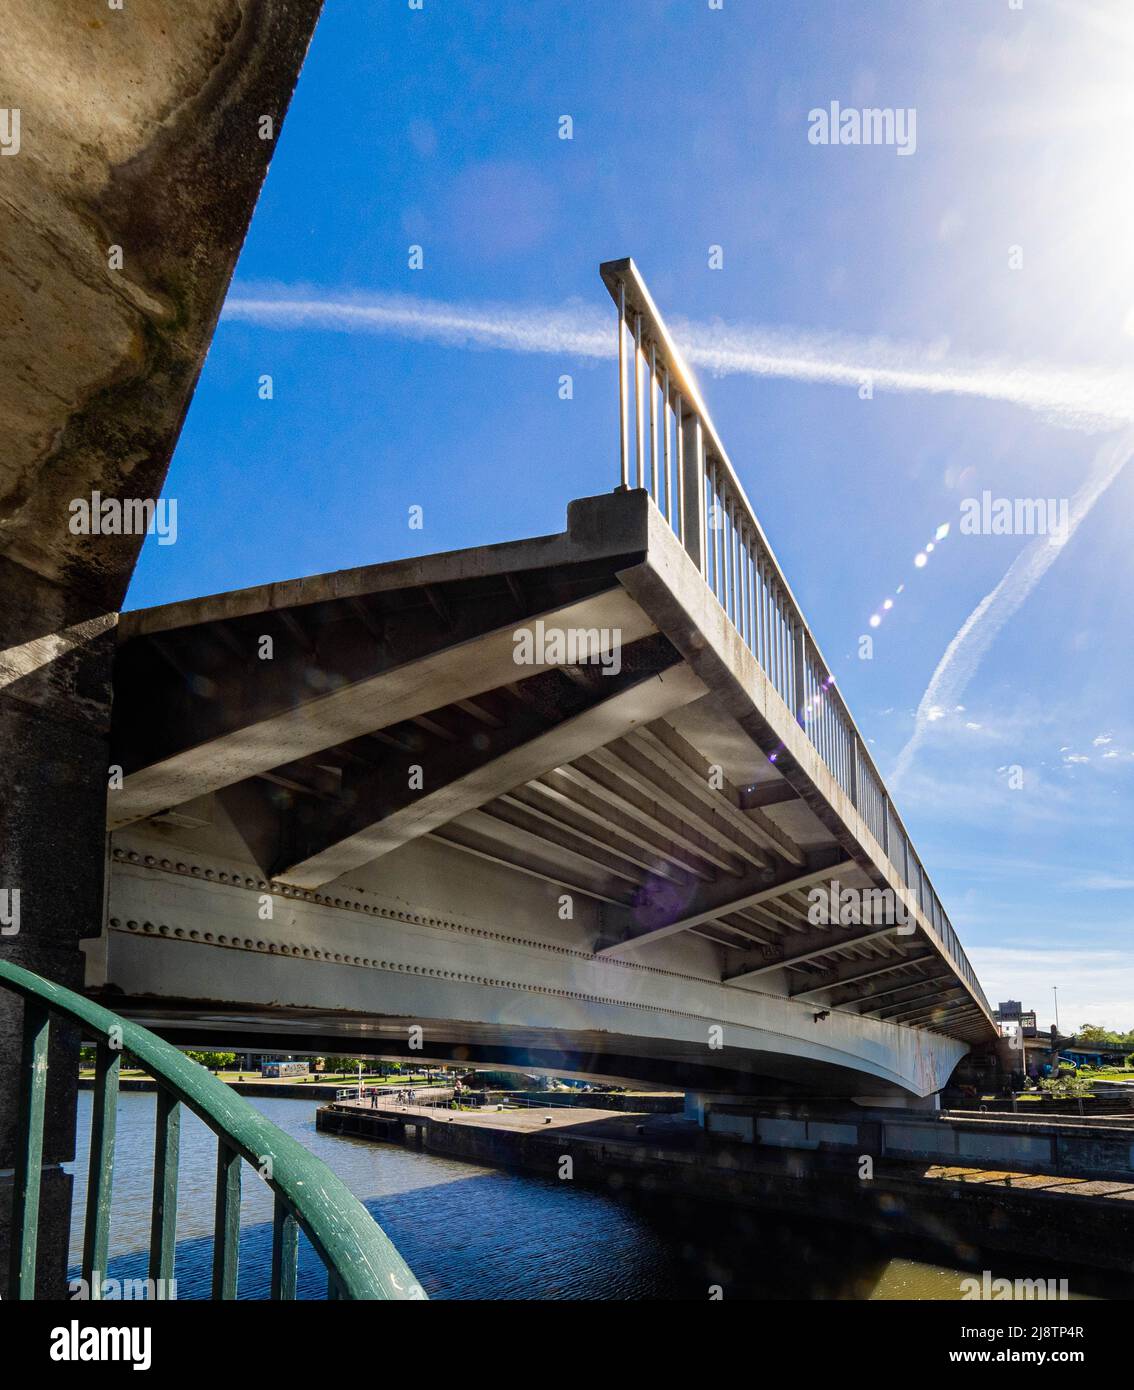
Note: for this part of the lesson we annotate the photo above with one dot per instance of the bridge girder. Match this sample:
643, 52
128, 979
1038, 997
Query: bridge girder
632, 823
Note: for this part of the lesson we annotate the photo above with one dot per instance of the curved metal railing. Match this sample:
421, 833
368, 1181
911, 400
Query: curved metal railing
360, 1259
666, 433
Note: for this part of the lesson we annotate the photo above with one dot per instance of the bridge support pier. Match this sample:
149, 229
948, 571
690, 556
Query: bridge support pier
54, 729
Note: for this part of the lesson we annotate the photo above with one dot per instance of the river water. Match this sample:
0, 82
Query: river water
469, 1232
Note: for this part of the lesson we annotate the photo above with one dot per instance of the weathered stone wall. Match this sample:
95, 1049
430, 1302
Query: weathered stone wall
139, 129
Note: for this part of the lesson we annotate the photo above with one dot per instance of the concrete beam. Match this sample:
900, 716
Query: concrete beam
853, 973
523, 853
771, 794
388, 697
809, 947
956, 997
610, 719
909, 986
678, 761
720, 903
485, 956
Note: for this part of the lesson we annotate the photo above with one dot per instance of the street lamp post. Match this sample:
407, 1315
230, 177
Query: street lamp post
1055, 991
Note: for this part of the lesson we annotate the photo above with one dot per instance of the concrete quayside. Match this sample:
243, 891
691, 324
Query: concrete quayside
965, 1183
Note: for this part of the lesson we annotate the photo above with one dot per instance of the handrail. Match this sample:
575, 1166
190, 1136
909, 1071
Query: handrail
361, 1260
693, 483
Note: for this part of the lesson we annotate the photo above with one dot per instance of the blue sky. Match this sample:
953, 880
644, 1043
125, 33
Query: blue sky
440, 128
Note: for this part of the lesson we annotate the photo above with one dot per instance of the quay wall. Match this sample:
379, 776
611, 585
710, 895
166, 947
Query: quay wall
820, 1184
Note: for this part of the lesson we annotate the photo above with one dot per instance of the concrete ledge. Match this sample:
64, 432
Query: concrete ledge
1034, 1146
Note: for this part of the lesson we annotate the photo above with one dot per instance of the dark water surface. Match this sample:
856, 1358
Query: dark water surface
470, 1232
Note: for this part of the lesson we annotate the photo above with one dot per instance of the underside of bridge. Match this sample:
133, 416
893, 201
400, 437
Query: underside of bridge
535, 801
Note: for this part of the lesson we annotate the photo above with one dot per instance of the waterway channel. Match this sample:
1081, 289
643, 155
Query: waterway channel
470, 1232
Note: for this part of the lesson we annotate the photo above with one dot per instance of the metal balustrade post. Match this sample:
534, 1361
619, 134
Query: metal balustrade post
638, 440
734, 609
100, 1174
800, 664
691, 457
226, 1224
666, 461
654, 491
163, 1218
285, 1252
745, 593
29, 1153
854, 784
679, 446
712, 521
623, 449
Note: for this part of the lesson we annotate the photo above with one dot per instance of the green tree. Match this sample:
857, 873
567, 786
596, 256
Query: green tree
342, 1065
1092, 1035
215, 1061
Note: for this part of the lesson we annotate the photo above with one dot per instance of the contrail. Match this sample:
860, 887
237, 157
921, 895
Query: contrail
570, 329
1088, 398
980, 629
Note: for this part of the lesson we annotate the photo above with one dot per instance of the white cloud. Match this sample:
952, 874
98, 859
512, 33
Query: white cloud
1094, 986
1077, 397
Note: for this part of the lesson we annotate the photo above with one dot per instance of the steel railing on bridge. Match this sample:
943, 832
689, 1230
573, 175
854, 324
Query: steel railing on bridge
669, 445
360, 1260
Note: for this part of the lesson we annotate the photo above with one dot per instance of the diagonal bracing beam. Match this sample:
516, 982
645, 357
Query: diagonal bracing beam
434, 807
720, 903
810, 947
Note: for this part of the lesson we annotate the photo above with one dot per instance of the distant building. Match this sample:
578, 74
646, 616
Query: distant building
1014, 1020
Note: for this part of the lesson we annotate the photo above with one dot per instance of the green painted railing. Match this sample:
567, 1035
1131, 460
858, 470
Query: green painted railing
361, 1261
